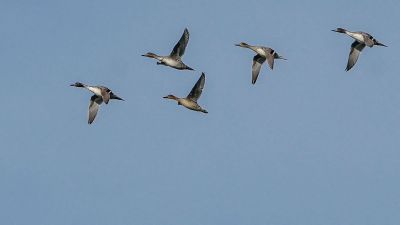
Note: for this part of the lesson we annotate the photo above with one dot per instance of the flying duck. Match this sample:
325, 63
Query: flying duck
362, 39
174, 59
190, 101
263, 53
101, 94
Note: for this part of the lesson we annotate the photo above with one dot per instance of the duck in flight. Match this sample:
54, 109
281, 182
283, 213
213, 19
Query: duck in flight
174, 59
101, 94
362, 39
190, 101
263, 53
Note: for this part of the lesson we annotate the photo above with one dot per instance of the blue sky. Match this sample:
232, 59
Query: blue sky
309, 144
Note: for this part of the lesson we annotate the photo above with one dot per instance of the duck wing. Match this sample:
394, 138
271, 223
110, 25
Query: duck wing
197, 88
258, 60
368, 39
180, 47
95, 102
270, 58
356, 48
105, 94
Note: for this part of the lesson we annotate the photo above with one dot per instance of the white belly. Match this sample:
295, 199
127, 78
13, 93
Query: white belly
261, 52
188, 104
358, 37
95, 90
170, 62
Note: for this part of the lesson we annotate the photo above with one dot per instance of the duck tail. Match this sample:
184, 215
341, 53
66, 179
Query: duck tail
188, 68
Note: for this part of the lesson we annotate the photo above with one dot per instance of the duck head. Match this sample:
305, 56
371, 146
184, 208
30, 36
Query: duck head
77, 84
173, 97
340, 30
150, 55
242, 44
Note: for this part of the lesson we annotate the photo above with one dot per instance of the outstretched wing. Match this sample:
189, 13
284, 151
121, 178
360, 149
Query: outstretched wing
258, 60
368, 39
270, 57
95, 102
180, 47
356, 48
197, 88
105, 93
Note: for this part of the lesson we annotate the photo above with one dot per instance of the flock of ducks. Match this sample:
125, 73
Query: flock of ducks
174, 59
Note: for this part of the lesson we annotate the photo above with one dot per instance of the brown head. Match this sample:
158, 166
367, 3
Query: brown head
150, 55
173, 97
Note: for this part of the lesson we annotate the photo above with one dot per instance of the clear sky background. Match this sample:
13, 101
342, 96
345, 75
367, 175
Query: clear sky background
308, 144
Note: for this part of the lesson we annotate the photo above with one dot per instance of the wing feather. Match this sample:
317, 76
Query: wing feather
258, 60
195, 93
95, 102
355, 51
180, 47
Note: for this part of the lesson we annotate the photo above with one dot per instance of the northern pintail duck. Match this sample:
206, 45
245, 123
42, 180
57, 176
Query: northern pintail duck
101, 94
190, 101
263, 53
362, 39
174, 59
